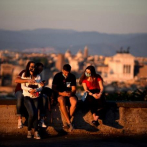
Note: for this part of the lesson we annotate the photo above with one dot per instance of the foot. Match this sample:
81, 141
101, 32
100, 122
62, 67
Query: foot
95, 122
65, 126
36, 135
42, 124
20, 125
71, 128
29, 135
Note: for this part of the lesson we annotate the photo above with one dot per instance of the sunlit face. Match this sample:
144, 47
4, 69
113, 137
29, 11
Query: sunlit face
32, 67
87, 73
65, 73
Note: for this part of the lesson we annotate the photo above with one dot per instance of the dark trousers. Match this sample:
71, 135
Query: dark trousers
19, 104
31, 105
43, 104
95, 105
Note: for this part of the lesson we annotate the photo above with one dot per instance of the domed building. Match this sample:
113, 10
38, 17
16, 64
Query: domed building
79, 54
67, 54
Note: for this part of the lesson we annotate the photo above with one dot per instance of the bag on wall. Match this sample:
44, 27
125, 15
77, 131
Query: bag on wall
84, 96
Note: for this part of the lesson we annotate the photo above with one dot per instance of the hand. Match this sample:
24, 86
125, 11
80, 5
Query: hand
66, 93
32, 91
31, 81
96, 95
42, 84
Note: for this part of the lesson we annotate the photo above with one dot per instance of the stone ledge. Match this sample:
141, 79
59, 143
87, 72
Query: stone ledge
126, 104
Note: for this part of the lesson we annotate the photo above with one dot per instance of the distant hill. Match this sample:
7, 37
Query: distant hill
60, 40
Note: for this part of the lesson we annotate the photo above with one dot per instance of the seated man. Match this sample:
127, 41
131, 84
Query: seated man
64, 85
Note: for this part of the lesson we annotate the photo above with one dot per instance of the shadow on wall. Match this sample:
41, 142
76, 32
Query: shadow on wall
83, 119
109, 116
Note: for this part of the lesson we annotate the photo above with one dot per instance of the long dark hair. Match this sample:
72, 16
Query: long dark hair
94, 75
27, 71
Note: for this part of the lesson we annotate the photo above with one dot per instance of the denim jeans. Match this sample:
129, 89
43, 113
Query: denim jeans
19, 105
43, 104
32, 109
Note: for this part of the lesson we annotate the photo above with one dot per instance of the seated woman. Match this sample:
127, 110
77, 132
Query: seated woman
31, 97
93, 85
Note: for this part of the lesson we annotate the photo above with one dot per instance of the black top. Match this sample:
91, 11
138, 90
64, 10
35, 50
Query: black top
62, 83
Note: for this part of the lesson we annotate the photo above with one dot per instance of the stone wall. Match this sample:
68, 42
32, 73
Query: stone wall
119, 118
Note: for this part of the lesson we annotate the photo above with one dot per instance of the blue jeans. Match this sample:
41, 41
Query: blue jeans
43, 104
32, 109
20, 99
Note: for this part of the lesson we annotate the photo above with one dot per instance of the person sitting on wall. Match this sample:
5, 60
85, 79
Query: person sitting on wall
64, 85
93, 86
31, 98
45, 97
19, 96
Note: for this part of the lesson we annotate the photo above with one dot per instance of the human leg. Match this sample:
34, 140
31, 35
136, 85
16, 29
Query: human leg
43, 100
35, 121
62, 102
28, 105
19, 97
73, 103
32, 108
35, 111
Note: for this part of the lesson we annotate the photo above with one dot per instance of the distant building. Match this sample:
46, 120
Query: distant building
67, 54
6, 73
121, 67
85, 52
60, 62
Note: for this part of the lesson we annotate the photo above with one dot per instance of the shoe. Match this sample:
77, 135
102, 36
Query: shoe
20, 125
29, 135
36, 135
96, 123
65, 126
42, 124
71, 128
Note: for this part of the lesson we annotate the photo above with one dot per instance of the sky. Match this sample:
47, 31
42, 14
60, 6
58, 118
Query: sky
104, 16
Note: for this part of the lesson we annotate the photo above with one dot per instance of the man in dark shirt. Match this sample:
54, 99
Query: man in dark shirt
64, 84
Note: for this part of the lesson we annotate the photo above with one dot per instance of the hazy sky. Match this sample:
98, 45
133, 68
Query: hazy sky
106, 16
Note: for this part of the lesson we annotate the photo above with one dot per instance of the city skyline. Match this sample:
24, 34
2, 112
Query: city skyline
109, 16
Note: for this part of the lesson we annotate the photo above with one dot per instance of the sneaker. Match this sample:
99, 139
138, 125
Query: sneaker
29, 135
95, 123
42, 124
20, 125
36, 135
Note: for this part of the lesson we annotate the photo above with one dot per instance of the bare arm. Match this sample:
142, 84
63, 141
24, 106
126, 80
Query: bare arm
97, 96
20, 80
73, 90
101, 86
85, 88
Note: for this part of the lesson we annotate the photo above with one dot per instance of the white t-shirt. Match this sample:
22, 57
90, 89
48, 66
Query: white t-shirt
27, 86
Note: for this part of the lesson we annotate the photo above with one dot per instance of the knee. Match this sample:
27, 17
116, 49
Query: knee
61, 100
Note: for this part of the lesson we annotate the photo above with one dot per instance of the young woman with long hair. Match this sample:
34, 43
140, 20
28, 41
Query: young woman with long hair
31, 96
93, 85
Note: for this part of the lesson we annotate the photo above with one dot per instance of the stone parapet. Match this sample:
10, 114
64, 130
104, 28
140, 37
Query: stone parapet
119, 118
